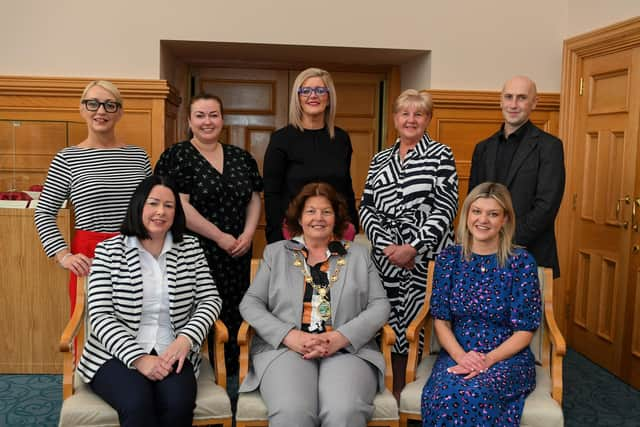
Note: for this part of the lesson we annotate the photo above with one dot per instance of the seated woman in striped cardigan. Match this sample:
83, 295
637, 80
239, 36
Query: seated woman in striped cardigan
151, 302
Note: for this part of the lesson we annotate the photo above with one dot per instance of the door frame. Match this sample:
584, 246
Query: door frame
610, 39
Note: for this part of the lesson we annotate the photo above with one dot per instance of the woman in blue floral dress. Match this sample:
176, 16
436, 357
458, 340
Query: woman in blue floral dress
486, 305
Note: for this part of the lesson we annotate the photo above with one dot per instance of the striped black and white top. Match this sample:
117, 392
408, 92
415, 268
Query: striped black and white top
98, 182
412, 201
115, 296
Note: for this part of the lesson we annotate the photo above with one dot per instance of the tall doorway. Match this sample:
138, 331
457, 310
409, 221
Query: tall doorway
601, 128
256, 102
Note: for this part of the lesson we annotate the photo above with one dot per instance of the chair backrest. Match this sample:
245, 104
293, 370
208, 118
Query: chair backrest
255, 264
540, 344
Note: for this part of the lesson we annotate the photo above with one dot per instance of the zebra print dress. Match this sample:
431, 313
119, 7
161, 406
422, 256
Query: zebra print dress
412, 201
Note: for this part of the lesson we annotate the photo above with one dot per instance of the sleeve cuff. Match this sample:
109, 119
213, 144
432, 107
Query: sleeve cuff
419, 246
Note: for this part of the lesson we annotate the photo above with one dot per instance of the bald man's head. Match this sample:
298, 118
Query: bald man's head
518, 99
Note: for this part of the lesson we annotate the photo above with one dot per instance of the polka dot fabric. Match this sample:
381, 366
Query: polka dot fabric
485, 304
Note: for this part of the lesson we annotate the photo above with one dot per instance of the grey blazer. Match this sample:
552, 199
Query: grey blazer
273, 306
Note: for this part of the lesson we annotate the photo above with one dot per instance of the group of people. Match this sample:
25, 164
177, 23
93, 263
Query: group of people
169, 252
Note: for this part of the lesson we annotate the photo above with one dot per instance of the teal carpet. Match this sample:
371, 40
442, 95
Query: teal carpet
592, 398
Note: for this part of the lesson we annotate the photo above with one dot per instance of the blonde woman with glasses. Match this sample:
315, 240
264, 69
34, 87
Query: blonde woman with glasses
310, 149
98, 176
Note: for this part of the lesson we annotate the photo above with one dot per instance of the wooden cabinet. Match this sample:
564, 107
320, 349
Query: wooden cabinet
34, 297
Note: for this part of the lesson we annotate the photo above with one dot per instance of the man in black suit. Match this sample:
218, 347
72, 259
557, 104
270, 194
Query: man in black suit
530, 162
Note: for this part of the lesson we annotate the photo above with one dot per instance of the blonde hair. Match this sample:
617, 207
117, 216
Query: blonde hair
500, 194
295, 109
106, 85
421, 100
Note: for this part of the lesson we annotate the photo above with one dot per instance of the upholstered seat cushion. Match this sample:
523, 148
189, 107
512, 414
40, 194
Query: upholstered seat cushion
252, 407
540, 410
85, 408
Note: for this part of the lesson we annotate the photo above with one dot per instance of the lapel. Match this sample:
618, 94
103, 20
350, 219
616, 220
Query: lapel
337, 290
525, 147
132, 260
171, 263
295, 280
490, 159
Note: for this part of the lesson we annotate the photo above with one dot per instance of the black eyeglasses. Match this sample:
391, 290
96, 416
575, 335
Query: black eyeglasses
307, 91
94, 105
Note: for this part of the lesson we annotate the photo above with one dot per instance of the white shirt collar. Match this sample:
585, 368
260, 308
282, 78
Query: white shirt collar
134, 242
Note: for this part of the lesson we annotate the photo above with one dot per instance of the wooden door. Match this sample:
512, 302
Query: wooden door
605, 187
358, 113
256, 103
631, 319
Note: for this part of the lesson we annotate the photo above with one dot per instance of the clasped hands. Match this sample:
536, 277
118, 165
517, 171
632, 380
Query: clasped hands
235, 247
158, 367
402, 256
315, 346
471, 364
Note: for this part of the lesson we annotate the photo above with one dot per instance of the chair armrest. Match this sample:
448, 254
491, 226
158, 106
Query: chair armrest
387, 338
221, 336
558, 343
68, 338
422, 322
73, 326
245, 335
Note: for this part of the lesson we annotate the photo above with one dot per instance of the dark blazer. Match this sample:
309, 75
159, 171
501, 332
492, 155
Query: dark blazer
536, 182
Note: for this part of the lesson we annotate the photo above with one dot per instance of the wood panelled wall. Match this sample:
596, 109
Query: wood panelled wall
33, 288
149, 120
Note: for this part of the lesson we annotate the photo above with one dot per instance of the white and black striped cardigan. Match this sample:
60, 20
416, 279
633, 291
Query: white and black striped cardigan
115, 302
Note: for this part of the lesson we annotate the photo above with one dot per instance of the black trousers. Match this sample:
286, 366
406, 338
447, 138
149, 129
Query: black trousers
142, 402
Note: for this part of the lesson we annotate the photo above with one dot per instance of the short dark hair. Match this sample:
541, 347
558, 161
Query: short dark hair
132, 224
321, 189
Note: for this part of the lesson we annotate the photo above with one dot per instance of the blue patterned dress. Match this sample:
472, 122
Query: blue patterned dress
486, 304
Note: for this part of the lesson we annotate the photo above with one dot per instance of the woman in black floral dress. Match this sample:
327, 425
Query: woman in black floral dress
219, 186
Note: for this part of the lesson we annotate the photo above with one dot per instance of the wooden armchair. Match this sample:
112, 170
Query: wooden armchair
542, 407
82, 407
252, 411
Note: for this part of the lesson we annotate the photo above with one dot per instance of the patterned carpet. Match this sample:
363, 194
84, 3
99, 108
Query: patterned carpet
592, 398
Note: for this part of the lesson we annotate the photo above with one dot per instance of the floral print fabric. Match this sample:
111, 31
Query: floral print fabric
485, 304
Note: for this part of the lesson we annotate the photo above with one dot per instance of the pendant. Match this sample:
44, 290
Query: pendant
483, 269
323, 293
297, 263
324, 310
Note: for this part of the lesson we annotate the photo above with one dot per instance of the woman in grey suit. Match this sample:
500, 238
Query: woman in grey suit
316, 304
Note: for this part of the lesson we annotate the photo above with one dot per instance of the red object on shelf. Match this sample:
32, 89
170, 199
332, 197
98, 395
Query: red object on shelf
14, 195
36, 187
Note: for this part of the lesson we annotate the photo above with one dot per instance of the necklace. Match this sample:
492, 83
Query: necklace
324, 307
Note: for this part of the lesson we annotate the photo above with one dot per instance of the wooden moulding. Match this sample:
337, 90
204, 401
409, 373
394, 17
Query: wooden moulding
64, 86
465, 99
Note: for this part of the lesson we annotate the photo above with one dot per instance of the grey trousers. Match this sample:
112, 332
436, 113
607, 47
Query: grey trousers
337, 391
